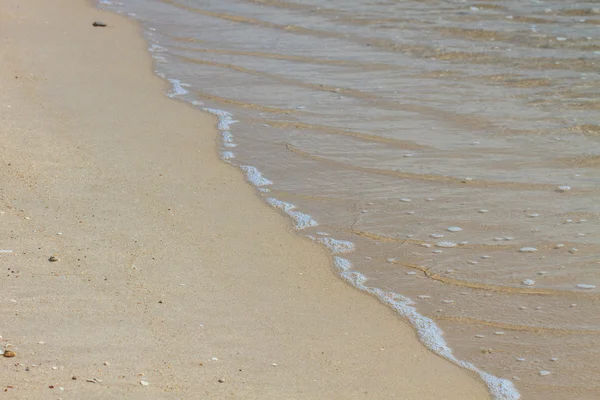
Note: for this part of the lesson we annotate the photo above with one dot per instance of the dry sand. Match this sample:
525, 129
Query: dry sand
167, 258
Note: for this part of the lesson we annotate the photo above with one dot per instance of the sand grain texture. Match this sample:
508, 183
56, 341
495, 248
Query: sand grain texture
166, 257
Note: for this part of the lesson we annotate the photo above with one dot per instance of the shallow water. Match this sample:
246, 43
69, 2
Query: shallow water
387, 123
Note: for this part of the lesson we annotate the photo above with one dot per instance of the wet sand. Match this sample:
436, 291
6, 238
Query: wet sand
173, 279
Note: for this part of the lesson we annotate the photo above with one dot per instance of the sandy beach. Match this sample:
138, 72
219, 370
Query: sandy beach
173, 279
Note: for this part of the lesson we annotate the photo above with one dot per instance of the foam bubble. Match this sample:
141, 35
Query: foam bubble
454, 229
225, 118
446, 244
177, 89
227, 155
527, 249
254, 176
528, 282
337, 246
302, 220
585, 286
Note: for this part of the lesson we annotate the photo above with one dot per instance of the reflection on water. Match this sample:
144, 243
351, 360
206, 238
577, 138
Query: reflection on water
456, 144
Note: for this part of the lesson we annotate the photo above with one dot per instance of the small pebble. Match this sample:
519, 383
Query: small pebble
554, 359
542, 273
405, 200
221, 380
436, 235
99, 24
559, 246
472, 262
53, 258
426, 245
483, 211
573, 250
454, 229
563, 189
144, 383
8, 353
479, 336
485, 257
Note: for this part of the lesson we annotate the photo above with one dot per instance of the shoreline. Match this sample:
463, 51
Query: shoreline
156, 276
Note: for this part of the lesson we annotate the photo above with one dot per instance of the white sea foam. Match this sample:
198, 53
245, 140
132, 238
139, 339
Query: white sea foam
225, 118
177, 89
585, 286
156, 48
429, 333
227, 139
302, 220
446, 244
227, 155
337, 246
254, 176
527, 249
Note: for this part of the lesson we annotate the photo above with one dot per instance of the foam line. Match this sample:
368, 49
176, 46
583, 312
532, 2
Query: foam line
255, 177
178, 89
303, 221
429, 333
337, 246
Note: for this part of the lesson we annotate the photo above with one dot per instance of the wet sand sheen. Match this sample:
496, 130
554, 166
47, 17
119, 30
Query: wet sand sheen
388, 123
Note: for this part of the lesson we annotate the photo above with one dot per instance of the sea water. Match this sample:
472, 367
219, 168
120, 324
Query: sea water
446, 152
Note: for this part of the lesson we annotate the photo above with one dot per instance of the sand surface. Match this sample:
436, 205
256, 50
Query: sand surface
171, 271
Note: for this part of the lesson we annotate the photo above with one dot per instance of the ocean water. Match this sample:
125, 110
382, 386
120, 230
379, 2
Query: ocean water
446, 152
